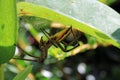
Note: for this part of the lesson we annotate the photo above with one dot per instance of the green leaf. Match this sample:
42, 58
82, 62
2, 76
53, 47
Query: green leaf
91, 17
8, 29
108, 2
22, 75
1, 72
36, 22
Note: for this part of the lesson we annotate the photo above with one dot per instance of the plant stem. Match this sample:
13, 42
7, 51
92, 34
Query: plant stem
1, 72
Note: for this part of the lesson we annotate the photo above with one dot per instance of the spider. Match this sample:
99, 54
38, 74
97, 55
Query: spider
62, 39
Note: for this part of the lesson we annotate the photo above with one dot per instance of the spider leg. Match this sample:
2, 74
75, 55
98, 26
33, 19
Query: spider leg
62, 48
26, 52
37, 58
26, 59
67, 44
47, 35
51, 40
65, 47
75, 38
44, 48
45, 32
